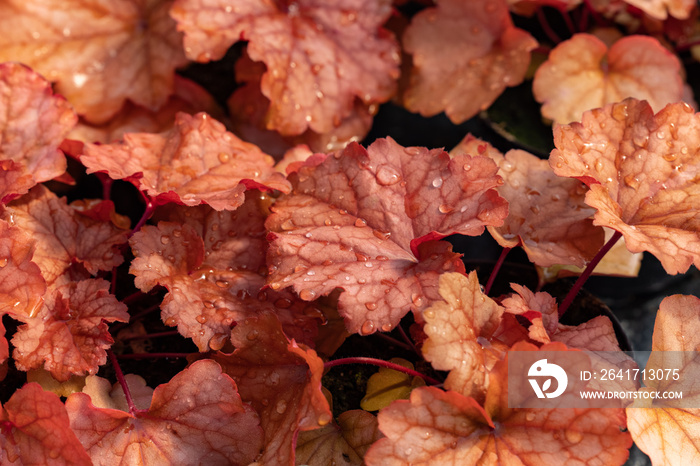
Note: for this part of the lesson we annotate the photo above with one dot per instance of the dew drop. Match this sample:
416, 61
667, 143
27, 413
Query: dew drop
573, 436
328, 222
287, 225
382, 258
300, 268
307, 295
429, 313
53, 454
201, 319
3, 262
599, 166
383, 235
361, 257
165, 239
437, 182
530, 417
445, 209
177, 233
324, 419
224, 157
387, 176
252, 335
281, 407
417, 299
412, 150
632, 181
170, 322
684, 150
367, 328
371, 306
660, 135
360, 223
670, 157
222, 284
507, 166
386, 327
274, 379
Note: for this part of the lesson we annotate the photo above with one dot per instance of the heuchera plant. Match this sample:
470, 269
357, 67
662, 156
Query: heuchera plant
265, 234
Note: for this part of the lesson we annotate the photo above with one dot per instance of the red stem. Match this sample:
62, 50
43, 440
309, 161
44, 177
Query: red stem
496, 268
393, 341
687, 45
133, 297
380, 363
546, 27
106, 185
600, 22
122, 381
150, 208
408, 340
587, 273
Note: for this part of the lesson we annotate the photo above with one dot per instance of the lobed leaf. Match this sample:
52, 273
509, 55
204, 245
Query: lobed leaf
457, 327
642, 170
449, 428
64, 236
98, 53
582, 73
361, 220
281, 380
33, 122
319, 56
195, 162
343, 443
69, 334
35, 430
667, 430
661, 9
21, 283
546, 213
196, 418
464, 55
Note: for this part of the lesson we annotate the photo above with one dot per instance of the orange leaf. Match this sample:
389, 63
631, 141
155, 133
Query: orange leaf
546, 213
196, 418
660, 9
582, 74
345, 443
642, 170
34, 430
357, 220
100, 54
34, 121
69, 335
63, 235
21, 283
436, 427
282, 381
667, 430
319, 56
464, 55
456, 329
195, 162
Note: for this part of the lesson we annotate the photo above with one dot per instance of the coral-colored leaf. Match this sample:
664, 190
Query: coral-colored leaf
453, 327
319, 56
546, 213
98, 53
661, 9
667, 430
464, 55
33, 122
188, 97
4, 348
63, 235
249, 107
21, 283
643, 171
582, 74
195, 162
14, 181
69, 335
345, 443
281, 380
35, 430
437, 427
356, 221
387, 385
209, 261
196, 418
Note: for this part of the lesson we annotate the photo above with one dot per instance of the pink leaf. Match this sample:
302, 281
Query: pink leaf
34, 429
581, 74
196, 418
69, 335
100, 54
356, 221
319, 56
464, 55
642, 170
195, 162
